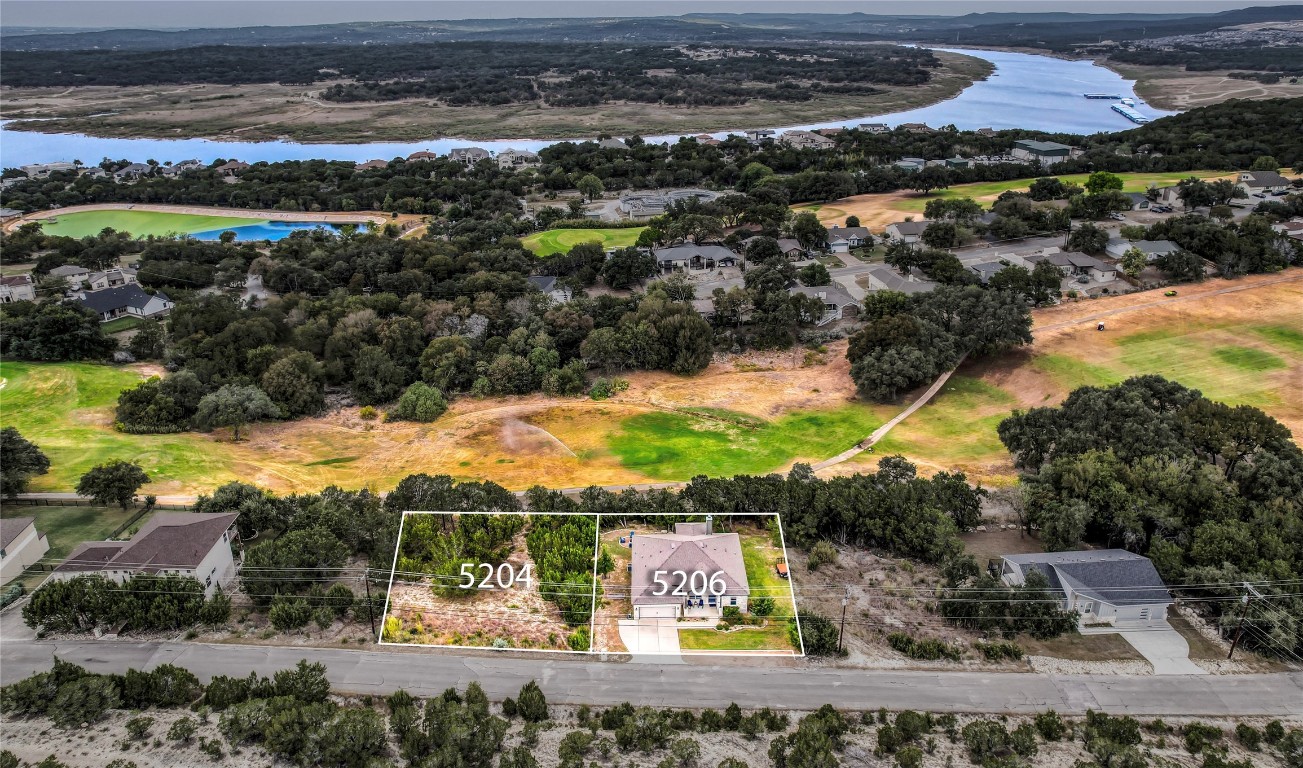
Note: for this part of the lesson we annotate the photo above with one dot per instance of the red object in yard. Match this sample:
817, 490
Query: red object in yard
782, 569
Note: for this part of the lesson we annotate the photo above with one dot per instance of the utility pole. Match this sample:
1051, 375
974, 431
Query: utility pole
1239, 628
842, 631
370, 606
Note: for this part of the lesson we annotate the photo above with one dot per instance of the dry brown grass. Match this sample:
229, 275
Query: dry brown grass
1173, 88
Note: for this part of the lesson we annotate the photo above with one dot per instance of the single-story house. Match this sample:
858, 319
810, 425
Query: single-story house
1055, 257
133, 171
692, 548
21, 546
17, 288
909, 231
916, 128
511, 159
125, 301
111, 278
1139, 201
422, 155
1089, 266
986, 132
191, 544
1110, 586
176, 169
371, 165
41, 170
1117, 247
1292, 229
1042, 152
691, 256
1262, 182
74, 274
806, 140
837, 303
986, 270
790, 248
468, 156
548, 285
875, 127
883, 278
612, 144
846, 239
231, 168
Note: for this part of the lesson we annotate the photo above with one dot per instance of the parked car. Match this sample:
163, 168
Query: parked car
1117, 217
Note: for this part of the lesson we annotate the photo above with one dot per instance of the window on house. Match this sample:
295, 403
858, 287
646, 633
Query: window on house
732, 601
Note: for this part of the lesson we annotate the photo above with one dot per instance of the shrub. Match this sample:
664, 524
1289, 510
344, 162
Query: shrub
1050, 726
889, 740
1000, 651
1199, 737
84, 700
762, 606
574, 747
509, 709
822, 553
368, 413
1273, 733
985, 740
578, 640
138, 728
1023, 740
532, 704
1249, 736
927, 649
820, 635
216, 610
324, 616
913, 724
1123, 731
909, 757
419, 402
182, 730
288, 612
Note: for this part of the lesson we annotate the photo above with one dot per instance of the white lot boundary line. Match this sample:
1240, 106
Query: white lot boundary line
791, 586
390, 589
394, 569
592, 611
592, 633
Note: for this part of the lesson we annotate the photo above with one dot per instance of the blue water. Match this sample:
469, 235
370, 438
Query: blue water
1026, 91
265, 230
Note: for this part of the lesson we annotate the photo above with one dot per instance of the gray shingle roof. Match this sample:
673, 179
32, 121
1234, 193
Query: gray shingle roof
1114, 576
12, 527
123, 296
708, 553
170, 540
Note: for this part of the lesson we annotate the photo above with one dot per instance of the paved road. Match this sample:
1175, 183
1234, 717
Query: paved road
789, 685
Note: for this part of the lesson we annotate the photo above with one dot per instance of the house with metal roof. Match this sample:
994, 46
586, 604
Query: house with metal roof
190, 544
1042, 152
1109, 586
663, 572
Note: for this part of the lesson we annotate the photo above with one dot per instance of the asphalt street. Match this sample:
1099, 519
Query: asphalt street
751, 683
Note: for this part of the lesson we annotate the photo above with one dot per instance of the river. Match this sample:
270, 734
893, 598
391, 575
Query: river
1025, 91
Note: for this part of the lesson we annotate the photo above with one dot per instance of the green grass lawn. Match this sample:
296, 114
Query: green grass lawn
768, 638
1132, 182
958, 425
759, 555
553, 241
67, 410
121, 324
675, 446
140, 223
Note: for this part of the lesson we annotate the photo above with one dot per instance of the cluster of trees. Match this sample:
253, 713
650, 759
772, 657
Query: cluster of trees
984, 603
140, 603
20, 460
908, 340
437, 546
1245, 247
1209, 492
1277, 60
71, 696
561, 547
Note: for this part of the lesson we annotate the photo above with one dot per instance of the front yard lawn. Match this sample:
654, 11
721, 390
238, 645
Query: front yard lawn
768, 638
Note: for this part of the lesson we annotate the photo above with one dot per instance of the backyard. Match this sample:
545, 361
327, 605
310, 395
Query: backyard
66, 527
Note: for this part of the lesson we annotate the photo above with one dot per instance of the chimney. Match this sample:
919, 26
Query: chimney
710, 520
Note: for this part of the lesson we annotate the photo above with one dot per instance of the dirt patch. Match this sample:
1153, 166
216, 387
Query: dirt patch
1173, 88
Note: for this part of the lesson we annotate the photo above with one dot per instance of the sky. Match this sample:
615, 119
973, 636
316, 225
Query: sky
179, 14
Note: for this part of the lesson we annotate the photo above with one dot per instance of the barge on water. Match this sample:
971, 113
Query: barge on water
1130, 114
1109, 96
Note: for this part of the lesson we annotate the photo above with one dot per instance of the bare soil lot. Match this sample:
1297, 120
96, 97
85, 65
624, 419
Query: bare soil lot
1175, 89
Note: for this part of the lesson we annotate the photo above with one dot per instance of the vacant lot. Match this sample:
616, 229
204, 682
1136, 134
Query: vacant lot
1176, 89
270, 112
1243, 347
562, 240
878, 210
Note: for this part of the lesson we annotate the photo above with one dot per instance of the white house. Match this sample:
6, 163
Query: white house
846, 239
17, 288
21, 546
513, 159
189, 544
111, 278
658, 558
1117, 248
125, 300
547, 284
909, 231
1259, 183
74, 274
1111, 586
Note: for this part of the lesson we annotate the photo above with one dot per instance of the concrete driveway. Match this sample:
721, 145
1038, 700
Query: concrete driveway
1162, 646
650, 636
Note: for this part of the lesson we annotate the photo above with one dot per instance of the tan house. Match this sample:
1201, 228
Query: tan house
909, 231
422, 155
21, 546
806, 140
231, 167
515, 159
189, 544
371, 165
468, 156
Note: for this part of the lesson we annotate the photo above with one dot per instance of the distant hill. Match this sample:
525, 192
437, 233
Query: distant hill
1056, 30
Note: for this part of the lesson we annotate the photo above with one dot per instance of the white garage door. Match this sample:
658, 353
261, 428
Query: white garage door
655, 611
